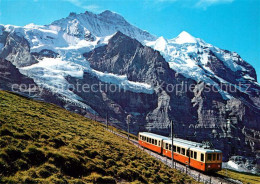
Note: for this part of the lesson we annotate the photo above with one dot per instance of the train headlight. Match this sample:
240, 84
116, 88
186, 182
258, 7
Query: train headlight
218, 165
208, 166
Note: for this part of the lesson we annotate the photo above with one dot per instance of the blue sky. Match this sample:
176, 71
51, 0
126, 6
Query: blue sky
229, 24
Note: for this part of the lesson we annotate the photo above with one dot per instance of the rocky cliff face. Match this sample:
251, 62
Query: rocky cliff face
126, 56
11, 78
199, 114
16, 49
210, 94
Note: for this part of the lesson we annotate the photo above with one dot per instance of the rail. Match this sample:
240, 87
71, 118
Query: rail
197, 175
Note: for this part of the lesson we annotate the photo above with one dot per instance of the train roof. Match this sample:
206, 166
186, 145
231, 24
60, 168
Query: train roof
182, 143
191, 145
153, 135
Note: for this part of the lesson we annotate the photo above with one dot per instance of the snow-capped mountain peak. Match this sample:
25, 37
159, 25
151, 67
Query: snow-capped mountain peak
160, 44
31, 25
196, 59
112, 16
101, 25
185, 37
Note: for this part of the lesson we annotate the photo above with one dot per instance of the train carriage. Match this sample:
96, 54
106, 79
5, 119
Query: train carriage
151, 141
193, 154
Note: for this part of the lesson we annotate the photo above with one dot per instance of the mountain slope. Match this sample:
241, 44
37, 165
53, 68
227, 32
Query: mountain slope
199, 114
42, 143
126, 56
196, 59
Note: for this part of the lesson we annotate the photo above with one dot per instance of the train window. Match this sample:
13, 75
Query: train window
159, 143
174, 148
152, 141
178, 149
191, 154
209, 157
188, 153
166, 146
218, 156
202, 157
195, 155
183, 151
155, 142
170, 147
214, 157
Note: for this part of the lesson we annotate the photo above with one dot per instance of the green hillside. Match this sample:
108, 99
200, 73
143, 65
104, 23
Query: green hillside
43, 143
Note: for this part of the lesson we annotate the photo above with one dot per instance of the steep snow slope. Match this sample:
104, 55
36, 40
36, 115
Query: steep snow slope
51, 73
100, 25
186, 51
192, 56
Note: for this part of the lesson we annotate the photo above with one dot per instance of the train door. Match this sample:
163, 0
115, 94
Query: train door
160, 144
188, 155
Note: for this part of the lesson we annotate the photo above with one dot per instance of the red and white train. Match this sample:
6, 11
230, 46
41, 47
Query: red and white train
190, 153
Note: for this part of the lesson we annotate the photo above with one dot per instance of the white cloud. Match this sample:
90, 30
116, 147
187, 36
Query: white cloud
93, 7
85, 5
206, 3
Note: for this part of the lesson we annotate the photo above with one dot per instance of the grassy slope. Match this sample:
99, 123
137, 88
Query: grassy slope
243, 177
41, 142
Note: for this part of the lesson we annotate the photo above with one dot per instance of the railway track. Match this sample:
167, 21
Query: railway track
197, 175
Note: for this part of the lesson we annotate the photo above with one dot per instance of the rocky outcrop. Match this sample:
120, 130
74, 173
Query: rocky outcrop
16, 50
126, 56
12, 80
45, 53
219, 68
